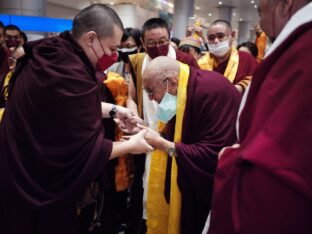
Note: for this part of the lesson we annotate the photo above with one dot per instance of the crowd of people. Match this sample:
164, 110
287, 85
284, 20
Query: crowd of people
106, 129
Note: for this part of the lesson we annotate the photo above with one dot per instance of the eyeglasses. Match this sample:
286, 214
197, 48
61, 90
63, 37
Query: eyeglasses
162, 42
151, 92
220, 36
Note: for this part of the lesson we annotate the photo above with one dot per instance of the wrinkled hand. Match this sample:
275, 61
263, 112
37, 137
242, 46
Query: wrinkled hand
138, 143
127, 121
152, 137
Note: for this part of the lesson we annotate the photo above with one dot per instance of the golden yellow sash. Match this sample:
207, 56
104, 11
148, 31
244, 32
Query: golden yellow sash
164, 218
207, 62
137, 63
5, 90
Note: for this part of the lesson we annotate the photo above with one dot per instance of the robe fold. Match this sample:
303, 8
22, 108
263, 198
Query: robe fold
265, 185
208, 125
51, 137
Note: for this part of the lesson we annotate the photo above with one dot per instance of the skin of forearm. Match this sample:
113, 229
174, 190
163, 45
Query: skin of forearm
131, 105
120, 148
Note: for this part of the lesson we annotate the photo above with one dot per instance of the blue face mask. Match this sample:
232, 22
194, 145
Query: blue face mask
167, 108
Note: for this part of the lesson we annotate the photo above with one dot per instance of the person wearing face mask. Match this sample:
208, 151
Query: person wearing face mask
237, 66
12, 36
52, 141
195, 119
263, 184
155, 38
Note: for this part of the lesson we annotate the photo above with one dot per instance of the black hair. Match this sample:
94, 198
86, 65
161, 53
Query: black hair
186, 49
251, 47
176, 41
134, 33
11, 27
154, 23
1, 24
98, 18
24, 36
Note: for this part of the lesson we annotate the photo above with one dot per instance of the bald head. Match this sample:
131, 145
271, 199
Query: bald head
222, 22
160, 68
98, 18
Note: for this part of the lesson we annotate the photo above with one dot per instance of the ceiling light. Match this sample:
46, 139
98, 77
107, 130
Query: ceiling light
220, 3
234, 14
240, 19
252, 1
209, 14
255, 6
197, 7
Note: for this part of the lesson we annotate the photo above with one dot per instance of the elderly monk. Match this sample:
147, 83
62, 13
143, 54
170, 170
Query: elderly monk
264, 185
51, 137
237, 66
196, 118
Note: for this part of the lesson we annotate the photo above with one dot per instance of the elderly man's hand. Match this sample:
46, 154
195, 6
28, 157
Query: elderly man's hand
153, 138
127, 121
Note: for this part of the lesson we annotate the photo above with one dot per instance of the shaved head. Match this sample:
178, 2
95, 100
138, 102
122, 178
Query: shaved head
160, 68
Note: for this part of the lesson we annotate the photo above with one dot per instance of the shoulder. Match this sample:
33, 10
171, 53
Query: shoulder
211, 82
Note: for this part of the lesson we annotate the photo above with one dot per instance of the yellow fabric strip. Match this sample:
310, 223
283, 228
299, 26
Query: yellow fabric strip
5, 89
137, 62
207, 62
1, 113
161, 217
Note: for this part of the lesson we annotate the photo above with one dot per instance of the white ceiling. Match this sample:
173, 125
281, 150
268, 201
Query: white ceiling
243, 10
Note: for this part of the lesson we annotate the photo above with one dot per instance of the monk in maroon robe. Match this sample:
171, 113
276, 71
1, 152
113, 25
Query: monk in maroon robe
51, 136
264, 185
208, 124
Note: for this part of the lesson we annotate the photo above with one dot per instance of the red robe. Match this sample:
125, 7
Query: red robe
51, 139
208, 125
265, 186
246, 66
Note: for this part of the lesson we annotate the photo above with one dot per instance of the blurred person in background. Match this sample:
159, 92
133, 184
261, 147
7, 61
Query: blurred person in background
248, 47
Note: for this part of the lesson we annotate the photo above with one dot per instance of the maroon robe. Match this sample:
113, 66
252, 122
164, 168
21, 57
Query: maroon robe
246, 66
208, 125
187, 59
51, 139
265, 186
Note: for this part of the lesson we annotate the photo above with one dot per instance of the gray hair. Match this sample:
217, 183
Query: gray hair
98, 18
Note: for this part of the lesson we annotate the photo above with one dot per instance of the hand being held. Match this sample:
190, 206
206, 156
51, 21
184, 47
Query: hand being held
138, 144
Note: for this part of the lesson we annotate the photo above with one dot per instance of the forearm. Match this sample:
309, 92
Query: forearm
163, 144
106, 108
120, 148
131, 105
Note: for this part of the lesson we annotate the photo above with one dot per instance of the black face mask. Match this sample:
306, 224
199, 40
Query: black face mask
125, 52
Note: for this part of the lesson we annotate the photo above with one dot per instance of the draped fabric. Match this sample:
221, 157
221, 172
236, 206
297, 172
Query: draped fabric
265, 185
119, 89
239, 68
51, 137
163, 217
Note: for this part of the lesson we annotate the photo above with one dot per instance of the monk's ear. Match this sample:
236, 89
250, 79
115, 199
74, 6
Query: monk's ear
233, 34
89, 37
287, 7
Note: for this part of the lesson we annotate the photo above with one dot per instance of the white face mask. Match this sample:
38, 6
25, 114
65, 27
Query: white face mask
220, 49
